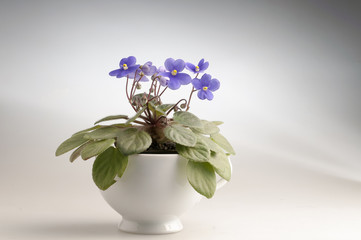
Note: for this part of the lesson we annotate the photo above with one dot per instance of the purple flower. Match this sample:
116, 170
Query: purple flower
162, 80
206, 85
176, 78
200, 68
127, 66
145, 70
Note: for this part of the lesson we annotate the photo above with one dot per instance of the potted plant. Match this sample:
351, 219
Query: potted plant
155, 165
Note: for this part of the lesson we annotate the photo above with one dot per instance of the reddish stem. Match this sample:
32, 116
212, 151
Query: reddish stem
175, 105
190, 96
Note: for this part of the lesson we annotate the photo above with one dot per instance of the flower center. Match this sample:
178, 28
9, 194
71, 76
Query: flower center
197, 69
174, 72
125, 66
205, 88
141, 74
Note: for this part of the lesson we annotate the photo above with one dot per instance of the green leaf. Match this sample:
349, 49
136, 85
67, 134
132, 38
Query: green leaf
199, 153
113, 117
218, 122
152, 107
210, 143
180, 135
88, 129
207, 128
120, 125
136, 115
133, 141
162, 109
103, 133
202, 177
187, 119
94, 148
77, 152
223, 142
71, 143
220, 163
107, 165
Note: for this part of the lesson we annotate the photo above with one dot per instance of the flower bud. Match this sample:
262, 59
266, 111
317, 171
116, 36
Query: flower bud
183, 105
139, 86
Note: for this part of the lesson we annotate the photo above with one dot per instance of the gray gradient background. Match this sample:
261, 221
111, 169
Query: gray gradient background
290, 99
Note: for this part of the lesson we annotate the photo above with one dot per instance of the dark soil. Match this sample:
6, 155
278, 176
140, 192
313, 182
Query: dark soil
161, 148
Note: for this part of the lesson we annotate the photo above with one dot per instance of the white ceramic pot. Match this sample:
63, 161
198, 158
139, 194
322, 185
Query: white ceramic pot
152, 194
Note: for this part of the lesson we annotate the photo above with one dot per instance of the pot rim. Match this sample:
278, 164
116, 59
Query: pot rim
156, 154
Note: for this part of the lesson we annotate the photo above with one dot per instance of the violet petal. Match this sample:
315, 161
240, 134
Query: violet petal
201, 94
169, 64
183, 78
214, 85
197, 84
174, 84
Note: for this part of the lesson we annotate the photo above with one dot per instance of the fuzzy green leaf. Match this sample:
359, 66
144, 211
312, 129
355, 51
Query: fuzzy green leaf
107, 165
103, 133
88, 129
202, 177
77, 152
113, 117
210, 143
130, 120
152, 107
218, 122
198, 153
71, 143
207, 128
223, 142
220, 163
187, 119
95, 148
180, 135
162, 109
133, 141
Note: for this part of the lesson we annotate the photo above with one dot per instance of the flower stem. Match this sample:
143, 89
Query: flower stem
150, 89
175, 105
131, 90
162, 91
129, 98
160, 119
126, 88
139, 122
158, 96
136, 82
158, 90
190, 98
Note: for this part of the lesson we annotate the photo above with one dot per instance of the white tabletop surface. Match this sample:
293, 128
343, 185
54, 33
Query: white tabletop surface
268, 198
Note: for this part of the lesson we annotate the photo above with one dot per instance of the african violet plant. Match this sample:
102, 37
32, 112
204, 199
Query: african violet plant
157, 127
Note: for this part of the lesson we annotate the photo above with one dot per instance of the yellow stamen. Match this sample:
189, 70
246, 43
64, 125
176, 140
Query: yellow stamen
125, 66
174, 72
205, 88
197, 69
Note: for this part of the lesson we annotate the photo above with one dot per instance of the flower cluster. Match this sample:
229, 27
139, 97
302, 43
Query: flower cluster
157, 127
170, 76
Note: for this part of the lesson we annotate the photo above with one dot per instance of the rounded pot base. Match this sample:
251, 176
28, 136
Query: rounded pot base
171, 226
